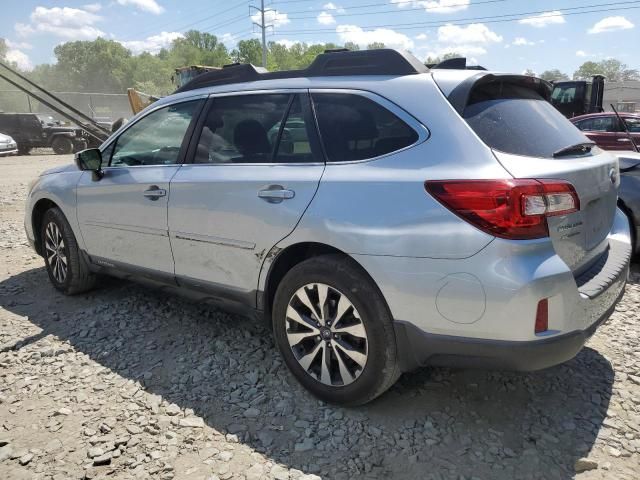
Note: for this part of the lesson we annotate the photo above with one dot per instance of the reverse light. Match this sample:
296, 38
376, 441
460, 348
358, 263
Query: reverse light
516, 209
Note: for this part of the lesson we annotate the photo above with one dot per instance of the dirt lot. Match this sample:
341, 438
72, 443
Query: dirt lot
125, 382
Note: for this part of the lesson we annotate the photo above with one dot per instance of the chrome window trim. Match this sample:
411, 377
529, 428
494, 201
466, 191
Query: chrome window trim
292, 164
421, 130
262, 91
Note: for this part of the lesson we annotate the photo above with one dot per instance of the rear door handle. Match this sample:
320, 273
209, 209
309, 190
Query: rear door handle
624, 140
276, 194
154, 192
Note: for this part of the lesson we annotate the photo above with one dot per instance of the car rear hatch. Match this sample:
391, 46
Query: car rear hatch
532, 140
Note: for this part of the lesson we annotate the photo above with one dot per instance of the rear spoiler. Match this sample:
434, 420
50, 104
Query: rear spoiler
459, 97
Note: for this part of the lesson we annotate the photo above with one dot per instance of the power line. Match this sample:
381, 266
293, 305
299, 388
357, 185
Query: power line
488, 19
394, 10
191, 24
263, 29
241, 17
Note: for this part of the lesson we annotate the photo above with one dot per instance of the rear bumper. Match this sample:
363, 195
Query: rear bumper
417, 348
486, 318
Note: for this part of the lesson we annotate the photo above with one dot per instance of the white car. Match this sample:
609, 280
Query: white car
8, 145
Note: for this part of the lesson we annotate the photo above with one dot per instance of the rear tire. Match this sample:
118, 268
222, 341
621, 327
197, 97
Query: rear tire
67, 269
354, 323
62, 145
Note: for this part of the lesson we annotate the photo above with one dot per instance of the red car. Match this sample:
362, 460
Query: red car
605, 129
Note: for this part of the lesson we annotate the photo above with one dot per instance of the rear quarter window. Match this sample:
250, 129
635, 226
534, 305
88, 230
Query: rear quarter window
515, 119
354, 127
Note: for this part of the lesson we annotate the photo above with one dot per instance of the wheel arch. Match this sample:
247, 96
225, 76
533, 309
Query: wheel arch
633, 222
37, 214
279, 261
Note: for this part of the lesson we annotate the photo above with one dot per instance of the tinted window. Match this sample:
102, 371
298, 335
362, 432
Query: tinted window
633, 124
242, 129
598, 124
356, 128
515, 119
155, 139
563, 95
294, 145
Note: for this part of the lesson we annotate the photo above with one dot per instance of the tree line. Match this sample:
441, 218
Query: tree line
107, 66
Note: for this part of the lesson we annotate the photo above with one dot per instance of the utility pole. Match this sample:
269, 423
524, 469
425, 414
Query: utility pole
263, 27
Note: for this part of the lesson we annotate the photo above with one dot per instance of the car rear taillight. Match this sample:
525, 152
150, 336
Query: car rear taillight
516, 209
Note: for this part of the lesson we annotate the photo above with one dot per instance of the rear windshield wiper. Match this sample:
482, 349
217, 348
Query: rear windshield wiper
577, 149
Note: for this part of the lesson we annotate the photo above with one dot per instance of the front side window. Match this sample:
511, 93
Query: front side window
155, 139
354, 127
262, 128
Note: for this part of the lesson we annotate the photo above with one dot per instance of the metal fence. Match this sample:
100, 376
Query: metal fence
106, 107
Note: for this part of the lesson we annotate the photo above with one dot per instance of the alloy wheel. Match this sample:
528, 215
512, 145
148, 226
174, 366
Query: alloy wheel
56, 252
326, 334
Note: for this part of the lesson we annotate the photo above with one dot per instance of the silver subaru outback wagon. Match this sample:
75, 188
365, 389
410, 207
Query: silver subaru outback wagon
381, 215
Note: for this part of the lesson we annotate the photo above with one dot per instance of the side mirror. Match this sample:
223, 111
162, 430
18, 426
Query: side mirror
90, 160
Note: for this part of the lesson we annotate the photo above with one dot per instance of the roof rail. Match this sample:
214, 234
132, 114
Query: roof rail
341, 62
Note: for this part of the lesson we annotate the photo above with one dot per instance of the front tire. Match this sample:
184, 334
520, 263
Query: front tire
80, 146
62, 145
23, 149
334, 331
67, 269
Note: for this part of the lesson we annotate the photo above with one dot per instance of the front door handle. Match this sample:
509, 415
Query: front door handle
276, 194
154, 192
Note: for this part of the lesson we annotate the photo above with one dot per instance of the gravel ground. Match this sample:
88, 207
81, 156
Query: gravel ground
125, 382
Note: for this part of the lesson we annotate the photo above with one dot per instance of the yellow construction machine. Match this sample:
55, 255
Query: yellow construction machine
139, 100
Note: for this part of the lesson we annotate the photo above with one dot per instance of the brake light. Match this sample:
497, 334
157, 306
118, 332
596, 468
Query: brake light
516, 209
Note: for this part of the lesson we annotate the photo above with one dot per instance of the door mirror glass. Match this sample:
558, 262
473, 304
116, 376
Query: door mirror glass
89, 160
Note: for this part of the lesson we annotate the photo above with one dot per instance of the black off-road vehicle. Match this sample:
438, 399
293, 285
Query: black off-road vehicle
33, 130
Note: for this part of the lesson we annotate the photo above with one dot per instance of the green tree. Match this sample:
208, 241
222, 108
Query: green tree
554, 75
99, 66
352, 46
529, 73
248, 51
447, 56
613, 70
3, 48
450, 55
200, 40
197, 48
375, 46
151, 74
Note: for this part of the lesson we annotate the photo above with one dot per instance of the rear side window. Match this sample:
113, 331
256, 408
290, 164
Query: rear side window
633, 124
263, 128
517, 120
354, 127
598, 124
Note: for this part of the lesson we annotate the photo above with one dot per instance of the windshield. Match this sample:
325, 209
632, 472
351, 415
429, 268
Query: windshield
515, 119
